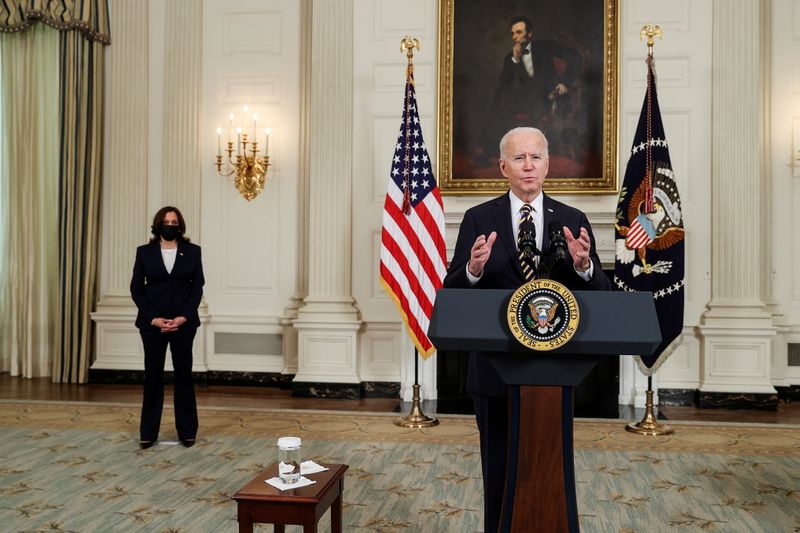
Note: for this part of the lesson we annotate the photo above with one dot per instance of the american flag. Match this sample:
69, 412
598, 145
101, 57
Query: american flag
412, 242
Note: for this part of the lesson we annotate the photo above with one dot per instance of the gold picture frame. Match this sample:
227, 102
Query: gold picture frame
472, 108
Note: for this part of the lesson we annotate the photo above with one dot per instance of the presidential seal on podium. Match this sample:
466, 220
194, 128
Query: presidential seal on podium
543, 314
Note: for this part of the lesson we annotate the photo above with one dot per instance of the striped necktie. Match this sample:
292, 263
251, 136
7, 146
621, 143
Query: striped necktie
527, 231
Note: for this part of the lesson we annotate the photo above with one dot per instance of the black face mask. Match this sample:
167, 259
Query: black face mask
169, 233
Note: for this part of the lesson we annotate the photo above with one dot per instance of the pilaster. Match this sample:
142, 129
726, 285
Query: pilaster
183, 50
290, 335
737, 328
328, 323
124, 186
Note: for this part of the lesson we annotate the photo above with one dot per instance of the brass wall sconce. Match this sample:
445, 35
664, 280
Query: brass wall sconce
249, 169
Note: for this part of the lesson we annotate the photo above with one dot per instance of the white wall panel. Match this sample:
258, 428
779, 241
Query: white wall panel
380, 358
671, 72
674, 16
796, 82
385, 129
250, 268
251, 56
385, 76
785, 168
394, 20
264, 362
796, 12
678, 130
378, 292
257, 32
682, 370
250, 89
794, 153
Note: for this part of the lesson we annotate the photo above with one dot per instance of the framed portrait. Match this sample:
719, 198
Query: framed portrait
549, 64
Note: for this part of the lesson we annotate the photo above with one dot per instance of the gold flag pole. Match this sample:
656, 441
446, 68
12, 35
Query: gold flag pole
415, 418
649, 425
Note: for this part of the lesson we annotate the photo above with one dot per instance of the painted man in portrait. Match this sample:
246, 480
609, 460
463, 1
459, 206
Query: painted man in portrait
536, 84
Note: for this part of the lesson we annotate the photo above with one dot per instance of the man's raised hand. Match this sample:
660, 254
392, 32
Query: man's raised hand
481, 251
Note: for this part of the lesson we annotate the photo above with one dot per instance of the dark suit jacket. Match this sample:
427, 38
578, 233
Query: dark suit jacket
518, 93
502, 270
158, 293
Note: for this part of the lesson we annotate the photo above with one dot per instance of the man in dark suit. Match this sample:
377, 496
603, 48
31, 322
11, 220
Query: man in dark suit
167, 285
486, 256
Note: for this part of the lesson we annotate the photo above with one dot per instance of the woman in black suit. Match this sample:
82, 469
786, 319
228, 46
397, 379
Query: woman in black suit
167, 285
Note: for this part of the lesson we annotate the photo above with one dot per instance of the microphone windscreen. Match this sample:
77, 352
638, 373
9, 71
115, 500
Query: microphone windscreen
555, 227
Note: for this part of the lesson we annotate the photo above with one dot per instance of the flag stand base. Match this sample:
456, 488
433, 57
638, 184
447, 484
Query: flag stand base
416, 418
649, 425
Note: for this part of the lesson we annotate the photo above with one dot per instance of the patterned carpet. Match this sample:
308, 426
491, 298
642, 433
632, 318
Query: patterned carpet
77, 467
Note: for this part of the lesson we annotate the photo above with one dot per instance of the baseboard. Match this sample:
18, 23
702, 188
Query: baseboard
346, 391
338, 391
201, 379
789, 394
725, 400
678, 397
734, 400
380, 389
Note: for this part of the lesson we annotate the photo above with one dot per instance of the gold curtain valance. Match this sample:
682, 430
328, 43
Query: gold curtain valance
87, 16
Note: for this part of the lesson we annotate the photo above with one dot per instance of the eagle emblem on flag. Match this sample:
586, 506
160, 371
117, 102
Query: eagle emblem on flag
657, 229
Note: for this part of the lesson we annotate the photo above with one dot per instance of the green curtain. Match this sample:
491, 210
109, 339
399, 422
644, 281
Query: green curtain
84, 29
79, 201
28, 201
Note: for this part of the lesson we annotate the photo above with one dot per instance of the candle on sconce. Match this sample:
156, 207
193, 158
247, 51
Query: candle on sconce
255, 131
219, 145
230, 127
239, 141
266, 141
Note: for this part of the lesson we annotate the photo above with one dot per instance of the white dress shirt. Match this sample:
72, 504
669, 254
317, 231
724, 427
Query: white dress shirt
168, 255
537, 206
527, 60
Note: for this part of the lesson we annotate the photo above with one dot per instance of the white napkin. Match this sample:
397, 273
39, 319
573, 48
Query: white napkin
280, 485
310, 467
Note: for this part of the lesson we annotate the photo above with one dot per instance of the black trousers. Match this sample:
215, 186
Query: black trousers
491, 414
155, 352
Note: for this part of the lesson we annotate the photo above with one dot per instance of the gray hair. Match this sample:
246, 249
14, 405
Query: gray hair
522, 129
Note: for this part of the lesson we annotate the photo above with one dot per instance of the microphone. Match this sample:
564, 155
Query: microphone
558, 243
527, 240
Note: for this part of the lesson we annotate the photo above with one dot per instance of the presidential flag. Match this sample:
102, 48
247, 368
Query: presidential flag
412, 241
649, 227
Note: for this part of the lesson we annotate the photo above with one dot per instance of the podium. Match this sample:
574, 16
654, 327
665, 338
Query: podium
540, 478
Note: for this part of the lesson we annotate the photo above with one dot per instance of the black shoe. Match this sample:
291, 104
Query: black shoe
144, 444
187, 442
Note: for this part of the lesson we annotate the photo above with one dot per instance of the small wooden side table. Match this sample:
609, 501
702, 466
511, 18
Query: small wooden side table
260, 502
